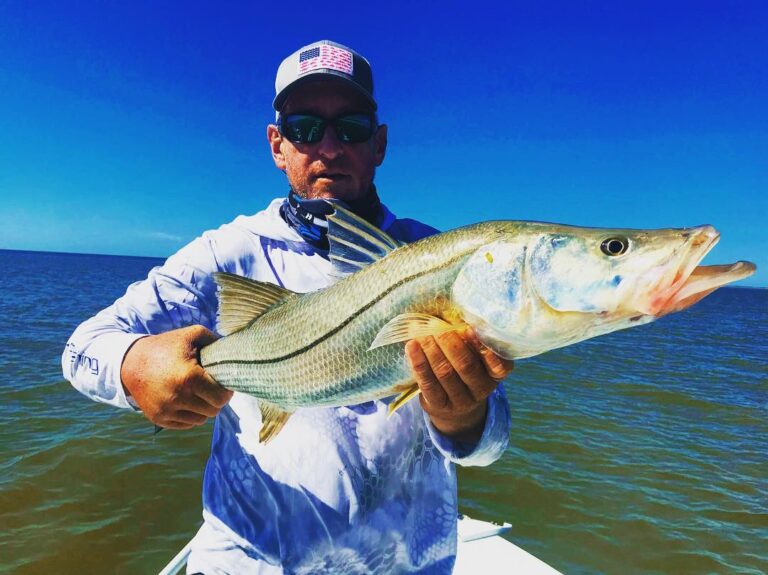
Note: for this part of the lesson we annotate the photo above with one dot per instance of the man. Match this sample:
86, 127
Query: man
338, 490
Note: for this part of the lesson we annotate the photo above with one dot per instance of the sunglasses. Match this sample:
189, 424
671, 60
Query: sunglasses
309, 129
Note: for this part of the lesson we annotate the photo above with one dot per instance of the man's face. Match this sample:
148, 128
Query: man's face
329, 168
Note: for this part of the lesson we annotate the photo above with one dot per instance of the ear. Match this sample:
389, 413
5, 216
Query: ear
380, 144
275, 139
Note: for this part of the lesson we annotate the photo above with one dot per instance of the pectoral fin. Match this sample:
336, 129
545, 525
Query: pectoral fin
409, 391
273, 418
408, 326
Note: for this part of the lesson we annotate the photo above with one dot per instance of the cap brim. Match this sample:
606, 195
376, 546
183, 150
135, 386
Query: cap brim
322, 74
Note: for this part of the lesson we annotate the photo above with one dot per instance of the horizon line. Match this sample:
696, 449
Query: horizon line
62, 253
166, 257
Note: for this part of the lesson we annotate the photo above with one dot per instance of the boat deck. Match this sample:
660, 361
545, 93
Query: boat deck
481, 549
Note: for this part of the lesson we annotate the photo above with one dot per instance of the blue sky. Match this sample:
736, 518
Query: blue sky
130, 128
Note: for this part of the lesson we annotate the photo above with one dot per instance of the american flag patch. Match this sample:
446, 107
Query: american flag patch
327, 57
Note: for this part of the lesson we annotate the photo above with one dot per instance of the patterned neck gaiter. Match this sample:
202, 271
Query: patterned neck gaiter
308, 217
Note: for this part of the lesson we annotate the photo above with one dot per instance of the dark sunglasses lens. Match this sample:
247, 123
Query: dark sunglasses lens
355, 128
302, 129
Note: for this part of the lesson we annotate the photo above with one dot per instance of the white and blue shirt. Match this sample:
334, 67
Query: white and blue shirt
338, 490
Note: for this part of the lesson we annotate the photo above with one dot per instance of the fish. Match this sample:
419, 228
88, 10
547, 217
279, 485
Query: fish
523, 287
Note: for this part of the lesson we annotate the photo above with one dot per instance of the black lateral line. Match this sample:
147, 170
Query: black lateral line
339, 327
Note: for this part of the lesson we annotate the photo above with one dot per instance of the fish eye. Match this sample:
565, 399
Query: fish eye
614, 246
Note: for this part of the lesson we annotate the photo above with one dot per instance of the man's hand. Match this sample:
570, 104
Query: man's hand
456, 374
164, 376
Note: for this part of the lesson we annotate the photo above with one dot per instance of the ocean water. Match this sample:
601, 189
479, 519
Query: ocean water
644, 451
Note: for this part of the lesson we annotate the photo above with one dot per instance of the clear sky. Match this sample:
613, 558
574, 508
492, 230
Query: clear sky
131, 127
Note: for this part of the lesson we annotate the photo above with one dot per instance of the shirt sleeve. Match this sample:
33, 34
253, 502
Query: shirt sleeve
179, 293
492, 443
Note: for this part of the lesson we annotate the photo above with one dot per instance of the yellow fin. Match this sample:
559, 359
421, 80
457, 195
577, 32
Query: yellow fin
241, 300
411, 390
408, 326
273, 418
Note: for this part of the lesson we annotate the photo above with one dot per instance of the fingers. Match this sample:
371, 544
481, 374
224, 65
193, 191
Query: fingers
184, 420
454, 366
163, 375
431, 390
189, 418
496, 367
454, 384
203, 385
469, 363
197, 405
175, 425
199, 396
179, 419
454, 370
211, 392
194, 399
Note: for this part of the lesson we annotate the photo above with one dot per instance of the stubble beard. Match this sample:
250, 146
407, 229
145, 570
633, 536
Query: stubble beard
331, 190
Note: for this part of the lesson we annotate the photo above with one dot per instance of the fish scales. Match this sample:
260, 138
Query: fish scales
523, 287
324, 358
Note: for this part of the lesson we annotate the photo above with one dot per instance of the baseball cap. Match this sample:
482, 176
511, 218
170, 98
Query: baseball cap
323, 59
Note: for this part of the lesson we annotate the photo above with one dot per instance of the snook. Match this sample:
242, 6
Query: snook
525, 288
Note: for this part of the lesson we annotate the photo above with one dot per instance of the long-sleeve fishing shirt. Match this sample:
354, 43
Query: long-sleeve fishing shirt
338, 490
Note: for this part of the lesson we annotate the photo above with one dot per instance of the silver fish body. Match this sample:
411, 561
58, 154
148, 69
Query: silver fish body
524, 287
324, 358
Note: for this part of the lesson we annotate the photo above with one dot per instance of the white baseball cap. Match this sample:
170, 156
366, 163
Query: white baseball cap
323, 59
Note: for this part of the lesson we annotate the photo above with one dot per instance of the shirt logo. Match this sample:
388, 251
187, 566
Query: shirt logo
76, 360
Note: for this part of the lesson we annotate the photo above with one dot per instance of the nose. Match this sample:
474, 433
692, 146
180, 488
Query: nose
330, 146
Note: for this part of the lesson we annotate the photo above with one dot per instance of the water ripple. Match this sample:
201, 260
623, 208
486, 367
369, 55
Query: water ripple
644, 451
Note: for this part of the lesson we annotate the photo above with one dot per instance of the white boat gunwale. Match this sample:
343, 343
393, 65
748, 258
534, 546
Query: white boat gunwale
479, 545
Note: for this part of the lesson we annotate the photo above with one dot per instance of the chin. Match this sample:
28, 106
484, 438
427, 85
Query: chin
335, 192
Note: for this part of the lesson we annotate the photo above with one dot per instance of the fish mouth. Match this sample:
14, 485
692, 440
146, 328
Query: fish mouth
693, 282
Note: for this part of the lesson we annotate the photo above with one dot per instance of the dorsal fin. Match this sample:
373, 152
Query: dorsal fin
241, 300
354, 243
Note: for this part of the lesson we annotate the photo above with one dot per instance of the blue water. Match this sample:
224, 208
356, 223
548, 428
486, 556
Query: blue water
644, 451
